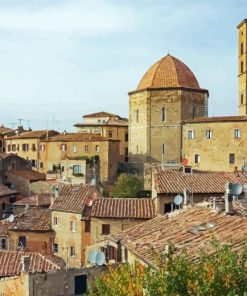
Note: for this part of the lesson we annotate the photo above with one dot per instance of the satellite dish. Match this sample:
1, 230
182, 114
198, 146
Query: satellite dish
92, 256
237, 189
100, 258
54, 188
178, 199
11, 218
244, 168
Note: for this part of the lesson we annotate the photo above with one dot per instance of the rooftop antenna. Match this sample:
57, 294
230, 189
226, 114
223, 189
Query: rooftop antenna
28, 123
20, 121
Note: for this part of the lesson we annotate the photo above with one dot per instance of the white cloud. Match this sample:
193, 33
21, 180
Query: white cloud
83, 17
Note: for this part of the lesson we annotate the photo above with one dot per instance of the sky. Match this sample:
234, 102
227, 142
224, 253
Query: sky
61, 59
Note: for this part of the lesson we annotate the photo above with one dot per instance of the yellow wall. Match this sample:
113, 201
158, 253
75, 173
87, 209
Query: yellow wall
66, 238
149, 133
242, 77
214, 153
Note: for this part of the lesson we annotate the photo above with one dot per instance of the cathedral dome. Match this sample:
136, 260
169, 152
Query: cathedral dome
168, 72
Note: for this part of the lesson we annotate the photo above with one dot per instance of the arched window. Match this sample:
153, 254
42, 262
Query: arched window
86, 148
63, 147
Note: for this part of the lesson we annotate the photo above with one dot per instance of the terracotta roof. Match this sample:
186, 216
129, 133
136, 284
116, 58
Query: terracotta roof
40, 134
149, 239
5, 130
139, 208
216, 119
168, 72
28, 174
110, 122
175, 181
11, 263
6, 155
34, 219
101, 114
36, 200
78, 137
72, 197
5, 190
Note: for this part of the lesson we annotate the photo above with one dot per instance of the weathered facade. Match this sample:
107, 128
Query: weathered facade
167, 94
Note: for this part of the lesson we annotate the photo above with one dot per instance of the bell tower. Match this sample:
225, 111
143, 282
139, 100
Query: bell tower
242, 67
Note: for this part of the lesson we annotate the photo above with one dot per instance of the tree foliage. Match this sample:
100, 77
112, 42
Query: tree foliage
222, 272
126, 186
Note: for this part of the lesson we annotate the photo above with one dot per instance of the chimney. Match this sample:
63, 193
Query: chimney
25, 260
229, 198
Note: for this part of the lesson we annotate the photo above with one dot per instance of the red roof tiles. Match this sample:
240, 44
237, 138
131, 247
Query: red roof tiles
78, 137
175, 181
28, 174
138, 208
216, 119
5, 191
40, 134
36, 200
11, 263
72, 198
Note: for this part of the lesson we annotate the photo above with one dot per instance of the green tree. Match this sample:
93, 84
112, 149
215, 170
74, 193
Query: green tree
223, 271
126, 186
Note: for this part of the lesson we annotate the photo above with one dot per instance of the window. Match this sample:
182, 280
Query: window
22, 242
231, 158
126, 137
190, 135
194, 112
163, 148
12, 199
14, 147
3, 205
13, 165
97, 148
72, 226
25, 147
86, 148
242, 99
105, 229
55, 220
76, 169
74, 148
197, 158
34, 163
63, 147
163, 114
208, 134
242, 67
55, 248
9, 147
99, 120
41, 165
242, 48
110, 135
80, 284
3, 243
33, 147
137, 115
62, 168
87, 226
237, 134
168, 207
42, 147
72, 251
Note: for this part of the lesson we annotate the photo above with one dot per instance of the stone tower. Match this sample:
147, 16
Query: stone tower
242, 77
167, 94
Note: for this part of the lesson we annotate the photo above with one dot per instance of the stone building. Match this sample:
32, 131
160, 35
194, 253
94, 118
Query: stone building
108, 125
167, 94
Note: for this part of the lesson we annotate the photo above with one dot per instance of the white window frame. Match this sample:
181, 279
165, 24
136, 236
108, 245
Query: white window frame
73, 226
191, 135
209, 134
55, 221
237, 133
198, 158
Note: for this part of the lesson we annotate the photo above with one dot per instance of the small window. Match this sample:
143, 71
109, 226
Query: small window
55, 220
208, 134
231, 158
34, 163
87, 226
237, 134
110, 135
12, 199
62, 169
76, 169
137, 115
190, 135
163, 114
55, 248
13, 165
41, 165
97, 148
242, 99
72, 251
242, 48
197, 158
163, 148
86, 148
99, 120
126, 137
33, 147
63, 147
168, 207
42, 147
3, 243
194, 112
14, 147
72, 226
22, 242
126, 151
9, 148
105, 229
3, 205
74, 148
25, 147
242, 67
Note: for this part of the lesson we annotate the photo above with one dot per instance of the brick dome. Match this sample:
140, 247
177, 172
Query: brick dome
168, 72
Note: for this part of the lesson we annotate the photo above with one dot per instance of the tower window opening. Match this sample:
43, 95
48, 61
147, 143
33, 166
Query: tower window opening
163, 114
242, 67
242, 48
137, 115
242, 99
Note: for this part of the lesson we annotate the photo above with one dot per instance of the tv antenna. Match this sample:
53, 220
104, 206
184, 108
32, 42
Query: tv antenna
20, 121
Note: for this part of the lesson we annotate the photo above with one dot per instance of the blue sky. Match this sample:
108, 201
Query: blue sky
62, 59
